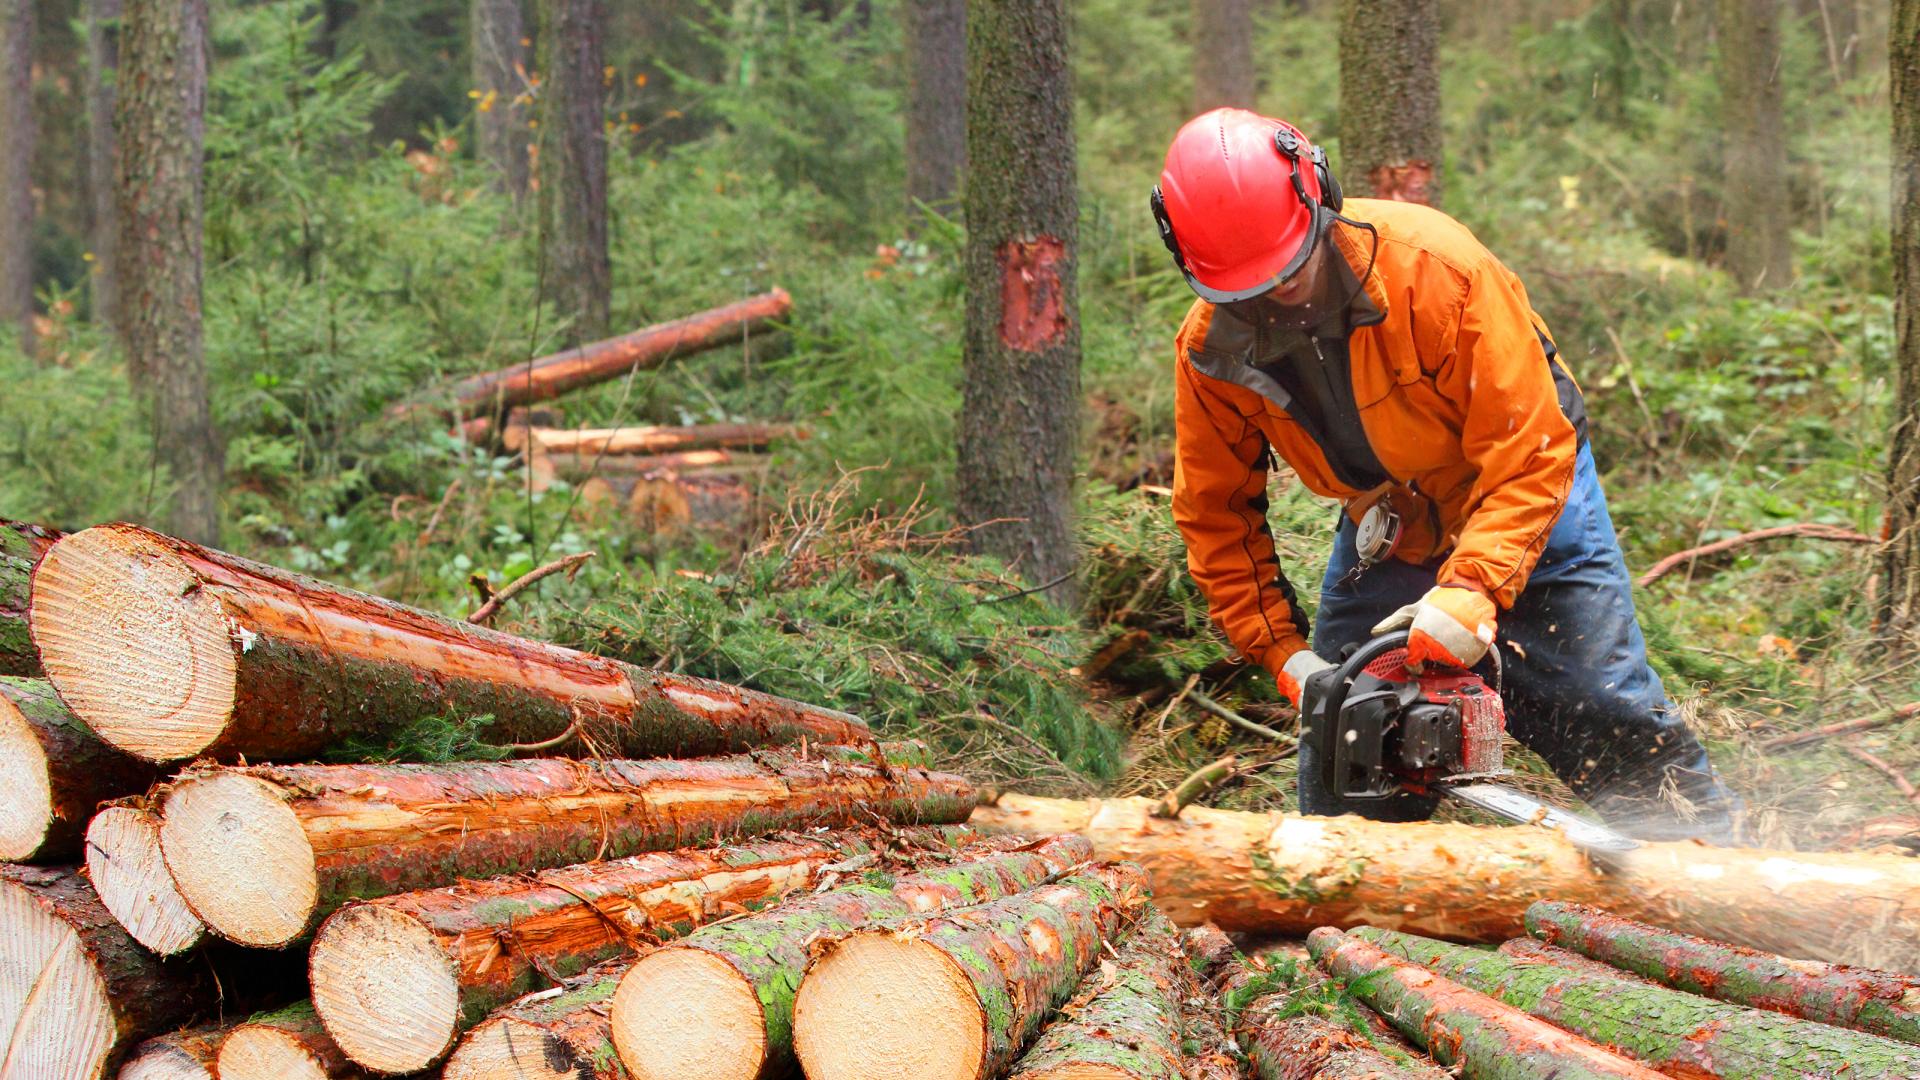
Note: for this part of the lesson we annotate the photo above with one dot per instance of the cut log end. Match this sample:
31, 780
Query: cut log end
136, 647
241, 859
508, 1049
53, 1003
880, 1005
26, 789
388, 993
127, 871
686, 1012
164, 1063
258, 1052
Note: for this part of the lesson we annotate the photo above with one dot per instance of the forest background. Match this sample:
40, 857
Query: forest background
358, 251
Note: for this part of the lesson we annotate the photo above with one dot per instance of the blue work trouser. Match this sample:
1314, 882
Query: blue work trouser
1577, 687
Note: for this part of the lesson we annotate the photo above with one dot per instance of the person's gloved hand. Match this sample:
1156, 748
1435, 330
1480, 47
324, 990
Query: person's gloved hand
1299, 667
1452, 625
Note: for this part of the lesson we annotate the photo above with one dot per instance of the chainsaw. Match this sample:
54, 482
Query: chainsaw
1381, 730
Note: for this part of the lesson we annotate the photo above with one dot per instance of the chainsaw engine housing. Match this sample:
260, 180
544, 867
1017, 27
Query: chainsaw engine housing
1392, 731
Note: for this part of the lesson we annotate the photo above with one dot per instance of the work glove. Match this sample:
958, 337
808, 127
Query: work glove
1451, 625
1299, 668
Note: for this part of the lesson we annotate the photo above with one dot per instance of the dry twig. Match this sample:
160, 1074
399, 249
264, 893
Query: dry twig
570, 564
1804, 530
1843, 727
1881, 766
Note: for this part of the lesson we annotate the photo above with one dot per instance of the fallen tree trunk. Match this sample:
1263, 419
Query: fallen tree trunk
557, 1034
1876, 1001
719, 1003
1675, 1032
958, 995
188, 1054
550, 376
76, 993
1124, 1021
1529, 951
54, 772
585, 444
700, 462
21, 546
1283, 875
287, 1044
130, 877
398, 978
262, 853
169, 650
1482, 1038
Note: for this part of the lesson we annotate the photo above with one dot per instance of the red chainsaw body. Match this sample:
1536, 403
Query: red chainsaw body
1426, 745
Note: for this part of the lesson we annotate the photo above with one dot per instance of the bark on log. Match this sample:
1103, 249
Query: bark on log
262, 853
1280, 875
21, 546
1877, 1001
396, 979
130, 876
1316, 1048
1528, 951
75, 991
1676, 1033
1280, 998
958, 995
550, 376
188, 1054
1124, 1021
169, 650
287, 1044
1478, 1036
720, 1002
557, 1034
691, 462
54, 772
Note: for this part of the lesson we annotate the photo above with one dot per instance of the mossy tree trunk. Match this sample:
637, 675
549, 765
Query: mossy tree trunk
1759, 248
103, 56
573, 164
936, 92
1900, 601
1223, 69
16, 179
1390, 135
495, 32
1021, 400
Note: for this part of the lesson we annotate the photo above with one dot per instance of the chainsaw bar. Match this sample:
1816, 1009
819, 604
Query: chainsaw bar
1518, 806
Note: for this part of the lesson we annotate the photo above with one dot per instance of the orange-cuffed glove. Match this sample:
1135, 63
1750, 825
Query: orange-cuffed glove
1451, 625
1294, 674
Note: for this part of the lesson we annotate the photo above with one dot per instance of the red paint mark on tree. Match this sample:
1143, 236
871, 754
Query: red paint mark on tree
1033, 313
1408, 181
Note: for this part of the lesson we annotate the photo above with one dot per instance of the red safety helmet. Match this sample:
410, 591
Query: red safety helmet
1251, 197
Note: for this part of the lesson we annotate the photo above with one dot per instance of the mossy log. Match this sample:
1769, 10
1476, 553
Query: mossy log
262, 853
286, 1044
1294, 1023
21, 546
958, 995
1482, 1039
1675, 1032
76, 993
130, 876
558, 1034
1125, 1020
1529, 951
187, 1054
54, 773
398, 978
720, 1001
1881, 1002
170, 650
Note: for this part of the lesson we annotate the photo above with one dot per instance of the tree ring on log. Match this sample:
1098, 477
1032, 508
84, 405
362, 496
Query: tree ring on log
387, 992
241, 859
55, 1019
506, 1047
880, 1005
136, 646
687, 1012
131, 878
26, 788
260, 1052
164, 1063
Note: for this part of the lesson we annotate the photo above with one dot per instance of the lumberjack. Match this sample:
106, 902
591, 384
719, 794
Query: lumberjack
1397, 367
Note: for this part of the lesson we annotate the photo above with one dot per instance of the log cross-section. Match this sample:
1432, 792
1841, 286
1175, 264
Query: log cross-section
54, 773
558, 1034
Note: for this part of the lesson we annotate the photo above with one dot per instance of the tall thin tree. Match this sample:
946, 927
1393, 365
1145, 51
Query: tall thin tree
1900, 600
495, 33
573, 163
1223, 70
1754, 187
16, 168
103, 56
936, 99
160, 116
1390, 135
1021, 395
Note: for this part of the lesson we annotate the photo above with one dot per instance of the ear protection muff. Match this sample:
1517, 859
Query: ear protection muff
1288, 143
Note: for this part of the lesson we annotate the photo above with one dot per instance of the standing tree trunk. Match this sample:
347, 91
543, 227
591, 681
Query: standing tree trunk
16, 182
160, 115
936, 96
1759, 249
1900, 604
1020, 412
499, 60
1223, 70
103, 56
1390, 132
573, 164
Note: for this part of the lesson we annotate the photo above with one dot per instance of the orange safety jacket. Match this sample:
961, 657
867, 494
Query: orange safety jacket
1473, 421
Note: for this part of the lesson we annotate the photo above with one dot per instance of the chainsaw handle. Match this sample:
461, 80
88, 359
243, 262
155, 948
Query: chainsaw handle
1356, 663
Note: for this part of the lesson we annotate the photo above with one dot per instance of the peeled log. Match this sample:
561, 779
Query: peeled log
1277, 874
54, 772
956, 996
719, 1002
1676, 1033
557, 1034
1480, 1037
262, 853
130, 876
21, 546
1124, 1021
1875, 1001
188, 1054
584, 444
170, 650
288, 1044
75, 991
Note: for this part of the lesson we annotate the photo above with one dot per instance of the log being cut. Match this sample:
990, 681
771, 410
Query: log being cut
54, 772
21, 546
188, 1054
261, 853
286, 1044
958, 995
170, 651
719, 1003
1124, 1022
1279, 874
131, 878
557, 1034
